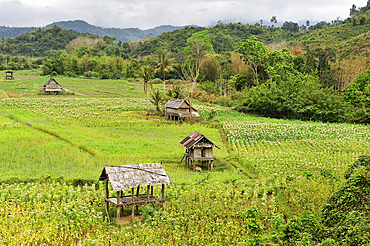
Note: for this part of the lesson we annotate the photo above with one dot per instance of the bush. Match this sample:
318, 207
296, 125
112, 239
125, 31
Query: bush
224, 101
147, 214
208, 87
90, 74
157, 81
346, 216
296, 98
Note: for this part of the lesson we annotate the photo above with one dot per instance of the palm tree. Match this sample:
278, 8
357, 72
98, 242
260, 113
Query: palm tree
145, 72
156, 100
164, 65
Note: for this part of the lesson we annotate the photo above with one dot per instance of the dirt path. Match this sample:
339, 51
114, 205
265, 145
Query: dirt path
77, 93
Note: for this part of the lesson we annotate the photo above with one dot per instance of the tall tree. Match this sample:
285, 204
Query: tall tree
254, 54
273, 19
145, 72
164, 65
352, 10
197, 46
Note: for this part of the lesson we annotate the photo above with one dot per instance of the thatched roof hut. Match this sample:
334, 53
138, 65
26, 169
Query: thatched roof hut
52, 86
9, 74
179, 108
124, 177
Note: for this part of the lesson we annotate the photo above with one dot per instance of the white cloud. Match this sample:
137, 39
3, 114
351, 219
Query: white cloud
150, 13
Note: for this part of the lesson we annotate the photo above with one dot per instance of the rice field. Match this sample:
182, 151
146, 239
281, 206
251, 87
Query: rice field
267, 169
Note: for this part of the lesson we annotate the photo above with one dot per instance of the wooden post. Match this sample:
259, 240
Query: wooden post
107, 197
147, 193
133, 203
163, 196
137, 194
118, 206
211, 164
181, 160
152, 190
106, 189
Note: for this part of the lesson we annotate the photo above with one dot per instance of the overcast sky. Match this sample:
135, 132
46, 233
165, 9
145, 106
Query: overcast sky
146, 14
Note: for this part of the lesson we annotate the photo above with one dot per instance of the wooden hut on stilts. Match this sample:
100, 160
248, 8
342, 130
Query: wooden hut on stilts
178, 109
125, 177
198, 148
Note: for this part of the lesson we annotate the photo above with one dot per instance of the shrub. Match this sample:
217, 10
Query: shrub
157, 81
346, 215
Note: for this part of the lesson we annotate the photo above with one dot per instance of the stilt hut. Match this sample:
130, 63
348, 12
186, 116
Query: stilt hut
52, 86
198, 148
9, 74
176, 109
129, 177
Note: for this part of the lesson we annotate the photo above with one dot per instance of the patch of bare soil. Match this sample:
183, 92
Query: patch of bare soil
127, 219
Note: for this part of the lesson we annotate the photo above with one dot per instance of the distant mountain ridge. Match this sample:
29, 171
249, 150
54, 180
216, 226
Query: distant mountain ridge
122, 34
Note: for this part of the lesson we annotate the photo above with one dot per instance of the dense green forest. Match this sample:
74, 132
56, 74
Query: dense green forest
37, 42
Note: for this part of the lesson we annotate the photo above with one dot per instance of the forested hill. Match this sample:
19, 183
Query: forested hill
223, 36
122, 34
38, 41
11, 32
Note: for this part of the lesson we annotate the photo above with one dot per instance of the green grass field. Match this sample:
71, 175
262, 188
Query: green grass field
267, 170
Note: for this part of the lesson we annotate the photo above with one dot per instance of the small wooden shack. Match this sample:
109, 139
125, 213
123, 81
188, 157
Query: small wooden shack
176, 109
9, 74
52, 86
125, 177
198, 148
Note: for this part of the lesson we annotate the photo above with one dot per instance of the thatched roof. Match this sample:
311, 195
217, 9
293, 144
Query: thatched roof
52, 85
177, 103
197, 139
128, 176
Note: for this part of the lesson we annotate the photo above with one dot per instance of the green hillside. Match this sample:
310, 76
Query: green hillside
37, 42
348, 40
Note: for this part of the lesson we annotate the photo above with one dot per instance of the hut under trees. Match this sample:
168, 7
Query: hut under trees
131, 176
198, 148
52, 86
176, 109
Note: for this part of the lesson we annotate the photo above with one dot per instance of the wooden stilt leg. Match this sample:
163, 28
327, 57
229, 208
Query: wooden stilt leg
163, 198
133, 204
118, 207
148, 193
137, 194
107, 197
211, 164
152, 193
107, 210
